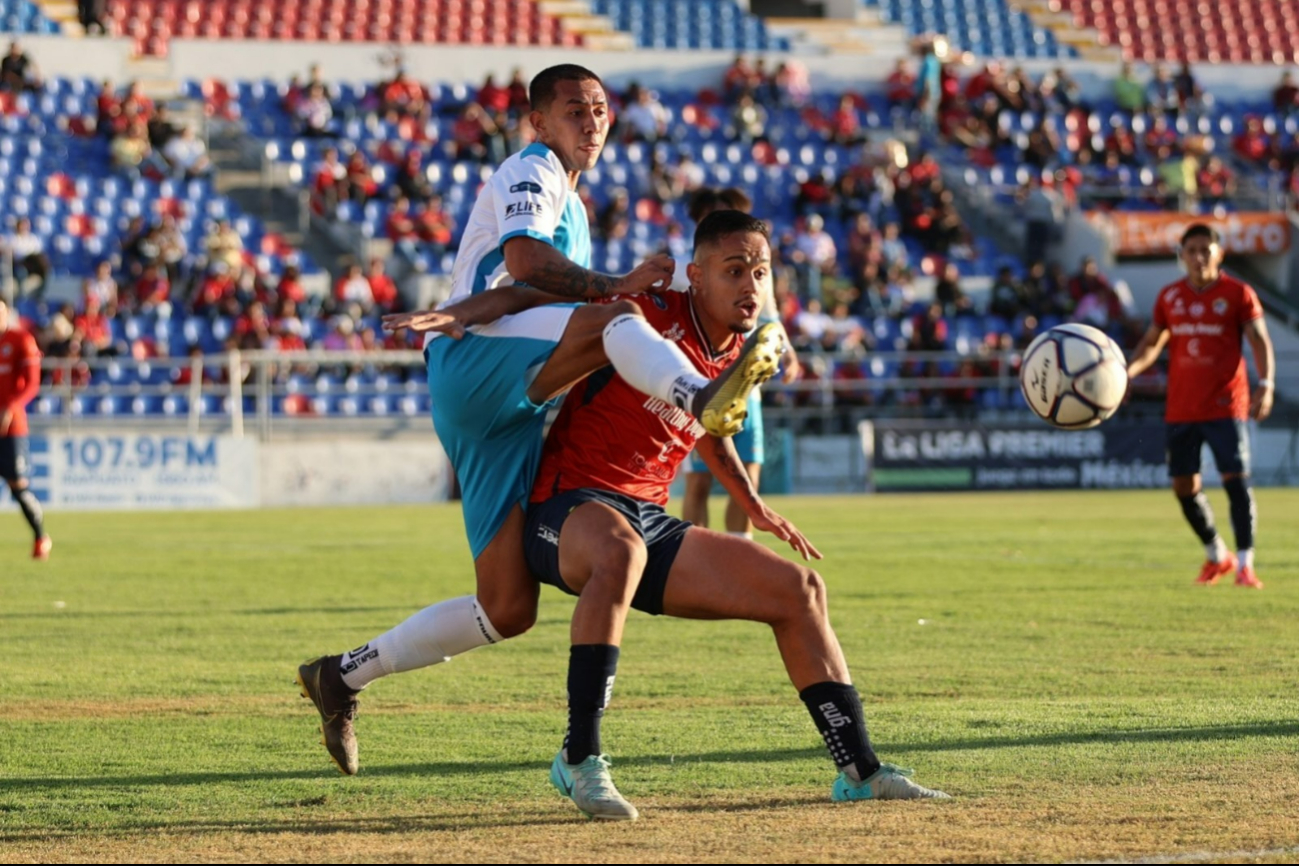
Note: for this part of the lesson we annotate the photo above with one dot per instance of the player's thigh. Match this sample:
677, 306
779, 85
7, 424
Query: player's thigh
580, 351
505, 587
1229, 441
1183, 443
598, 539
717, 576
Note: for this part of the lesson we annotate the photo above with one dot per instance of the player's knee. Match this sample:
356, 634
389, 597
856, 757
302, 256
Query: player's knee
807, 593
512, 617
617, 572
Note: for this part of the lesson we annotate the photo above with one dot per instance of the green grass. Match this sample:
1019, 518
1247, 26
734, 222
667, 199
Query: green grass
1045, 657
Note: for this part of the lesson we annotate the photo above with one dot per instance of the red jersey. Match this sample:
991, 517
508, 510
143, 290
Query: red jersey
612, 437
1206, 370
20, 377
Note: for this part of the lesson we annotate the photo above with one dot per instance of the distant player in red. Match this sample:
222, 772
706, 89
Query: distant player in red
20, 378
1202, 320
596, 528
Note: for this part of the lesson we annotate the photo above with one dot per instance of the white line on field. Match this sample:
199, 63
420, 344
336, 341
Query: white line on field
1195, 857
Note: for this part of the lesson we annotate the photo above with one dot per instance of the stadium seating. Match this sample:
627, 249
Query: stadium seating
987, 27
1245, 31
24, 16
467, 22
717, 24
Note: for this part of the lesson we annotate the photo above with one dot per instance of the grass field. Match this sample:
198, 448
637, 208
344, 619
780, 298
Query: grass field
1043, 657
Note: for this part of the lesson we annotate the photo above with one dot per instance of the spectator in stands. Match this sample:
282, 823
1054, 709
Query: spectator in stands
411, 180
1006, 298
865, 245
1042, 149
790, 85
224, 246
739, 79
18, 71
135, 105
900, 86
1100, 307
160, 129
810, 326
645, 117
92, 331
342, 336
404, 97
361, 185
91, 14
816, 194
172, 249
1177, 172
1161, 93
354, 288
108, 108
518, 89
435, 226
315, 113
101, 285
929, 83
845, 126
1061, 92
1089, 279
329, 187
152, 291
929, 330
1215, 183
402, 231
382, 289
1253, 144
1190, 96
472, 134
686, 176
1128, 91
819, 256
133, 156
946, 234
948, 292
615, 219
749, 119
1043, 211
1285, 98
188, 156
29, 264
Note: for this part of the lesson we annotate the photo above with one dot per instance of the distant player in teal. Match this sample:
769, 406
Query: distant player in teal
507, 344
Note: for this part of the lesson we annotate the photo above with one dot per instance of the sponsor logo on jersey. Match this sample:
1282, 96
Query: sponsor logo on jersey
548, 535
523, 208
659, 302
1220, 307
677, 419
526, 186
1190, 329
675, 333
6, 350
1197, 309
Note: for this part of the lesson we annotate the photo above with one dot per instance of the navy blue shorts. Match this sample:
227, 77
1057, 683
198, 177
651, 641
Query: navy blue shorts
1228, 439
661, 532
13, 458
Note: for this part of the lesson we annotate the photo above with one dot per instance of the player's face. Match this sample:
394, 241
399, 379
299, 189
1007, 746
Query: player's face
1202, 258
4, 317
730, 281
576, 123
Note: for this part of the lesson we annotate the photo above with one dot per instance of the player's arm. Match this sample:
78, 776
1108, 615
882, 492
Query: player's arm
1147, 351
480, 309
537, 263
25, 389
1260, 406
725, 465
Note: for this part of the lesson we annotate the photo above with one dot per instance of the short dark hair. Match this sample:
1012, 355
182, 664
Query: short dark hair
736, 199
1201, 230
541, 92
723, 223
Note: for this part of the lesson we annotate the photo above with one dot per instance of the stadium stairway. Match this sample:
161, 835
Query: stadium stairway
865, 33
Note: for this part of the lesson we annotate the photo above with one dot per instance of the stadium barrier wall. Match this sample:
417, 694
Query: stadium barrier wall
175, 471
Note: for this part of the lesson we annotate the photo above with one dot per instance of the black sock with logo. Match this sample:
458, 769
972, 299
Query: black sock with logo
837, 711
591, 670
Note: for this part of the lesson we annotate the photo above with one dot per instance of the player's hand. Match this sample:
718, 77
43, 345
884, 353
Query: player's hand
425, 322
1260, 406
769, 521
6, 418
652, 275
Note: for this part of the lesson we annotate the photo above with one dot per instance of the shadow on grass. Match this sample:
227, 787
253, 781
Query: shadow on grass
440, 769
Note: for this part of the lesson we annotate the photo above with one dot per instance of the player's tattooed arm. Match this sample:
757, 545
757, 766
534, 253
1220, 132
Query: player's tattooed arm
543, 267
724, 463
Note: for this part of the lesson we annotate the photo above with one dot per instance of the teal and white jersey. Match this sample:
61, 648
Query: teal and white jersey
527, 196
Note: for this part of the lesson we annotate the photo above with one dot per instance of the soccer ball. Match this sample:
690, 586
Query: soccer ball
1073, 377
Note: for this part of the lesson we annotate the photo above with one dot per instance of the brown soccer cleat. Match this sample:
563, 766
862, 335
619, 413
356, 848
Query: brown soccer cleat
320, 680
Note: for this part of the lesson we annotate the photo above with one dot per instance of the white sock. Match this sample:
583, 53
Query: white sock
1245, 558
649, 363
748, 535
1216, 550
430, 637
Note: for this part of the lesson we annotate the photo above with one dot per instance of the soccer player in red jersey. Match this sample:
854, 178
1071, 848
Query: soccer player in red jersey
20, 378
596, 528
1202, 319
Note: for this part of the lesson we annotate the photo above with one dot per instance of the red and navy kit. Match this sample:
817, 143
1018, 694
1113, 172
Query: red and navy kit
609, 436
1206, 368
20, 378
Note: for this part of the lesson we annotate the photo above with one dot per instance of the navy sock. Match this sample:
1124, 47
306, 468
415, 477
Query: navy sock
591, 671
31, 510
1200, 516
1244, 517
836, 708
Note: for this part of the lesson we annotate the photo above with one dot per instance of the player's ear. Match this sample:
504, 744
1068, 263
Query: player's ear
538, 120
693, 272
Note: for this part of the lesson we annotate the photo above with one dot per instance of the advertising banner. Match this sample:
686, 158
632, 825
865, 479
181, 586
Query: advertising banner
1149, 235
953, 455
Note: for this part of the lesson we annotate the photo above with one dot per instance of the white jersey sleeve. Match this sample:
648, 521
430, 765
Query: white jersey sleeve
529, 195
